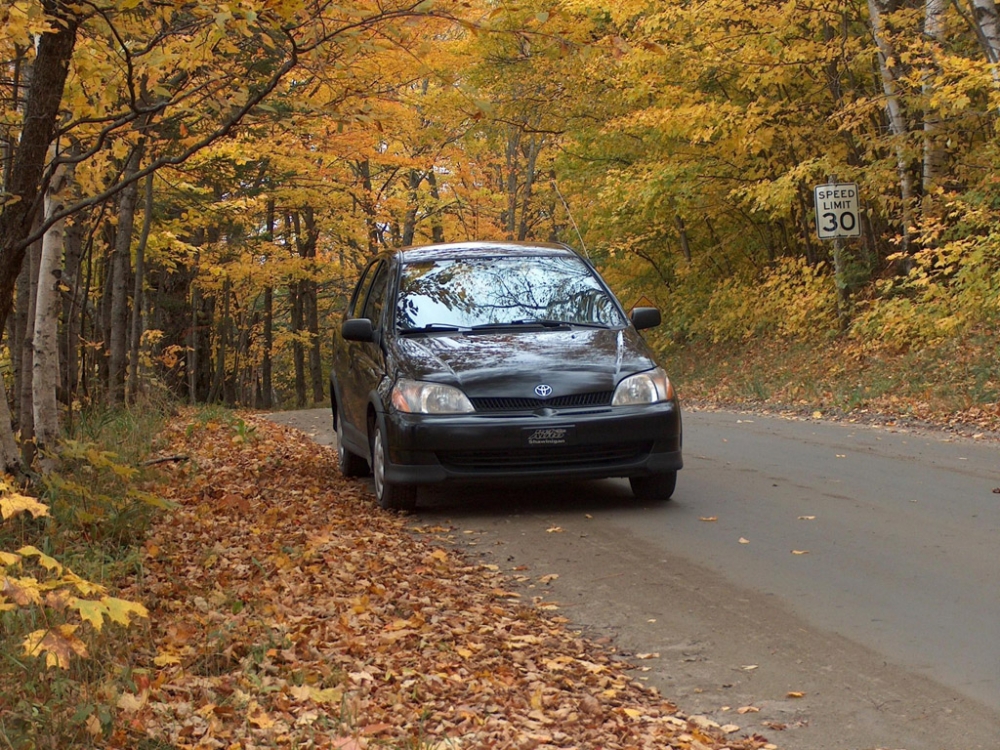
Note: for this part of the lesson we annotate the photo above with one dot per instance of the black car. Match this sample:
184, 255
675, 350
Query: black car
498, 361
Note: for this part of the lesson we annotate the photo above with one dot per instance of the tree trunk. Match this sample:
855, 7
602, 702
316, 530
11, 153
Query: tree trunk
310, 306
45, 363
26, 412
192, 359
683, 236
73, 304
10, 458
934, 147
218, 389
121, 270
266, 400
414, 178
19, 209
298, 353
534, 148
266, 386
513, 162
437, 227
135, 338
988, 29
898, 124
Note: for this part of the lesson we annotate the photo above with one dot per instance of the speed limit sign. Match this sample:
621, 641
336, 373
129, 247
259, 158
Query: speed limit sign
837, 211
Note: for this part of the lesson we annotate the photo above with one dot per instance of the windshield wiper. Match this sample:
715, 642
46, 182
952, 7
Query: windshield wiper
525, 323
432, 328
538, 323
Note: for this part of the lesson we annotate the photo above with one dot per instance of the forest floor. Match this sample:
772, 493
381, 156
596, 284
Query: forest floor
288, 610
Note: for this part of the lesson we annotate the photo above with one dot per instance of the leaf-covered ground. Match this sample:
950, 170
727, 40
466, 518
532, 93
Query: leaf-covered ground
288, 610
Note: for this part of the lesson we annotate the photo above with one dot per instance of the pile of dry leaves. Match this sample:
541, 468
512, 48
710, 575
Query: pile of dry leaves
288, 610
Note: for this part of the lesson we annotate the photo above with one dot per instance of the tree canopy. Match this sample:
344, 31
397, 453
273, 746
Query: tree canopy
211, 176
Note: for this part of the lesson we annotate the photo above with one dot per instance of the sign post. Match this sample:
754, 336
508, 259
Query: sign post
837, 211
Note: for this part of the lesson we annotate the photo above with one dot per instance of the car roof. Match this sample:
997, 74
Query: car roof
485, 249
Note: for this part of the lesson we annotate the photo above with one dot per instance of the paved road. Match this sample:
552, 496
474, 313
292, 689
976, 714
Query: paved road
856, 566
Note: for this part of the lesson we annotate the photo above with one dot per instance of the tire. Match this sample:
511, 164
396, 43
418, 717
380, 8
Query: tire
390, 495
351, 464
654, 487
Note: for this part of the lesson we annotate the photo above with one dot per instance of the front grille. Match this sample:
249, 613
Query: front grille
577, 400
543, 457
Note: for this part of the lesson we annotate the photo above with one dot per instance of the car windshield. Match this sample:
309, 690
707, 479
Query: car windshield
467, 293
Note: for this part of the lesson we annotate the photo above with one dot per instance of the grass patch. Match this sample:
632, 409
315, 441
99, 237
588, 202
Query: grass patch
98, 517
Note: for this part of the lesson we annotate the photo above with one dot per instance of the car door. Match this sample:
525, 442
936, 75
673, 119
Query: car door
343, 362
365, 359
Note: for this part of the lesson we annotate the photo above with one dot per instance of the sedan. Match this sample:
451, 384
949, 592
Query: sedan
498, 361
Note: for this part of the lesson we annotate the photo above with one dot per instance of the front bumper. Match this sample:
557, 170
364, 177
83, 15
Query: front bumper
586, 444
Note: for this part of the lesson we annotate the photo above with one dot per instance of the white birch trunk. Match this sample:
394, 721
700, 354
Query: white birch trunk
988, 27
988, 21
898, 125
45, 365
934, 151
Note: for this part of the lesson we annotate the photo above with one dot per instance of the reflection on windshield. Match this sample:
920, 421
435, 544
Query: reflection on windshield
497, 291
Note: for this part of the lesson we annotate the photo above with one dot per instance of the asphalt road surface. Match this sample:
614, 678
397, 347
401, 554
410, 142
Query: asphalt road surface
828, 586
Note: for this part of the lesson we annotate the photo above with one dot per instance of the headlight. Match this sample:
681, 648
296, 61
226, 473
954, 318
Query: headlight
414, 397
643, 388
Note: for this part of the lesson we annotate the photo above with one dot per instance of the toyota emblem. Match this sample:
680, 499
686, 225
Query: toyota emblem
543, 391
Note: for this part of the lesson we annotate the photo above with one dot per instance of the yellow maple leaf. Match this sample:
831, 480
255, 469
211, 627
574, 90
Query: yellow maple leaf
49, 563
9, 559
58, 644
117, 610
164, 660
21, 591
122, 610
13, 503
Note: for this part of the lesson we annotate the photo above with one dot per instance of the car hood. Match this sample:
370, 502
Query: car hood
514, 363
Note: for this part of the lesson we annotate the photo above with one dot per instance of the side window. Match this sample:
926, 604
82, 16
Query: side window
361, 292
377, 295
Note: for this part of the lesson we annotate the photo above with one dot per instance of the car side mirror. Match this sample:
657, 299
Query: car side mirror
357, 329
645, 317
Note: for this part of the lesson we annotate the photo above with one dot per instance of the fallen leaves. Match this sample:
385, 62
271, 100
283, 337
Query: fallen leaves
286, 609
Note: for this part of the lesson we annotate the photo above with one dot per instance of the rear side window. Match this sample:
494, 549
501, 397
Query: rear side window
357, 303
376, 295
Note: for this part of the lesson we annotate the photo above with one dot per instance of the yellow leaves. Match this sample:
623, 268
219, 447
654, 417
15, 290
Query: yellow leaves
166, 660
23, 592
117, 610
12, 503
50, 564
58, 645
319, 696
52, 590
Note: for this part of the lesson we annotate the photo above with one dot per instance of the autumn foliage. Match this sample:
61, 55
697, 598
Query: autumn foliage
190, 189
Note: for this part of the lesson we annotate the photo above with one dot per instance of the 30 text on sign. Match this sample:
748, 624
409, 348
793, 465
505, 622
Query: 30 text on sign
837, 211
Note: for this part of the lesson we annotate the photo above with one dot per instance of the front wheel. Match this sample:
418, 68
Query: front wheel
654, 487
390, 495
